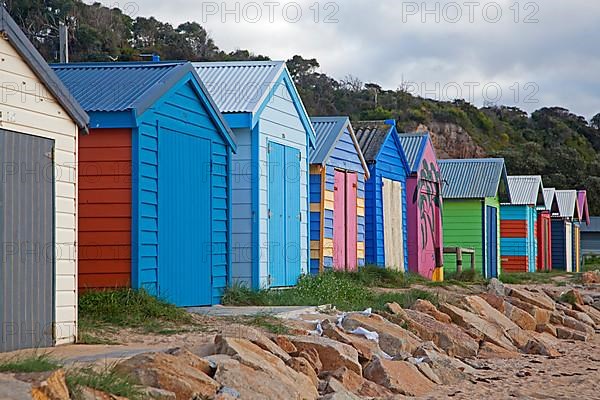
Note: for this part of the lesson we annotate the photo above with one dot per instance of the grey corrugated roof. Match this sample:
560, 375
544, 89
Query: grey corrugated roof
36, 62
474, 179
371, 135
567, 200
549, 197
413, 145
594, 225
526, 190
239, 86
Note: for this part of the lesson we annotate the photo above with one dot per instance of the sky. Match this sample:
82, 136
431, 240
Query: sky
531, 54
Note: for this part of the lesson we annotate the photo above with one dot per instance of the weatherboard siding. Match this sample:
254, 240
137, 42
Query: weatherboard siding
463, 227
37, 113
559, 244
495, 202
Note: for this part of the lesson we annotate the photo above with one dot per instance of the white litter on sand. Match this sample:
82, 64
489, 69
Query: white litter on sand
373, 336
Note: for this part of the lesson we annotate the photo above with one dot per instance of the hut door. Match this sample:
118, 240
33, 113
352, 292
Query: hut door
27, 241
492, 242
284, 215
393, 236
576, 248
184, 219
344, 221
569, 246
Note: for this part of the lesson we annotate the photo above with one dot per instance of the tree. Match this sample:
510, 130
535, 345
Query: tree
595, 122
300, 67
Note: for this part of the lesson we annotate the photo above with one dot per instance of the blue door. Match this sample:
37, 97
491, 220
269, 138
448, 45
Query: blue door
184, 219
284, 215
491, 226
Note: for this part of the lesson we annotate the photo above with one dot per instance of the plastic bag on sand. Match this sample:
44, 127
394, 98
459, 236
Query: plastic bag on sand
374, 336
318, 330
367, 312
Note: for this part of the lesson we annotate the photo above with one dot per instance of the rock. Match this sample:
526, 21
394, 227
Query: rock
574, 296
520, 317
426, 307
449, 370
495, 301
489, 350
453, 340
256, 337
285, 344
538, 299
332, 354
256, 384
426, 370
546, 328
49, 385
593, 313
541, 347
192, 360
168, 372
588, 300
570, 334
588, 278
312, 356
541, 315
398, 376
14, 389
392, 338
574, 324
88, 393
157, 394
581, 317
395, 308
301, 365
496, 288
336, 391
491, 332
357, 384
365, 347
251, 355
227, 393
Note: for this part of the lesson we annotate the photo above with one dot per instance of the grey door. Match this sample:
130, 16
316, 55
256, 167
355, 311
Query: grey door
26, 241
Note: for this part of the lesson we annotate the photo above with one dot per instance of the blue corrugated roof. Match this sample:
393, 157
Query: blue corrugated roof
526, 190
413, 146
474, 179
109, 87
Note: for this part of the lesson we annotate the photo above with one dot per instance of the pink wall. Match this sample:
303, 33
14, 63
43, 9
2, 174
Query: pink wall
424, 216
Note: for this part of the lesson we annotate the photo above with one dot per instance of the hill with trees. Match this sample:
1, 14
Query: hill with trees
553, 142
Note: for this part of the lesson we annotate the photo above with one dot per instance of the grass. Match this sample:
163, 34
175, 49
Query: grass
568, 297
265, 321
128, 308
32, 363
346, 291
532, 277
106, 379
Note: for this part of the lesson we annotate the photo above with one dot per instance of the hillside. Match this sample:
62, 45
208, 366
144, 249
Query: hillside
561, 146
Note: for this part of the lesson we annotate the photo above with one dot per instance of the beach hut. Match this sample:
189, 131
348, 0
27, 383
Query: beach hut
590, 238
38, 198
472, 192
154, 193
385, 194
562, 230
544, 230
424, 207
337, 197
270, 227
518, 224
583, 218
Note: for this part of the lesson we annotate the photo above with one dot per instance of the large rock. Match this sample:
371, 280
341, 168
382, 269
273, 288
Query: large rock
426, 307
250, 355
574, 295
520, 317
538, 299
449, 370
336, 391
256, 337
496, 288
495, 301
566, 333
593, 313
284, 343
398, 376
366, 348
312, 356
14, 389
452, 339
489, 350
256, 384
49, 385
589, 278
332, 354
301, 365
541, 315
393, 339
357, 384
491, 332
581, 316
168, 372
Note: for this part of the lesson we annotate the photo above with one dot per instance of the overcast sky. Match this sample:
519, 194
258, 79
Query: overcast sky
529, 54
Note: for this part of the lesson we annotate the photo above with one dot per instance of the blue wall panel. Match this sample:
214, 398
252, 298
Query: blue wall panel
558, 244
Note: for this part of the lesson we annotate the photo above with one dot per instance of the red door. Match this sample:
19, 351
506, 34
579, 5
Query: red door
344, 221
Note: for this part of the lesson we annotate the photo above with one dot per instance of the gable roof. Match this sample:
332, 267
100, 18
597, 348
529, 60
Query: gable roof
328, 130
414, 145
38, 65
371, 136
131, 86
526, 190
567, 201
474, 179
550, 201
584, 213
245, 86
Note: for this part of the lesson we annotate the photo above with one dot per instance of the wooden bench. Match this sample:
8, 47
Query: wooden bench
459, 251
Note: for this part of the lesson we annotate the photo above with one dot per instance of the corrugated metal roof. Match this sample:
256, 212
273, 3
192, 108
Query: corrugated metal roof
549, 197
239, 86
584, 213
327, 131
474, 179
594, 225
110, 87
371, 135
40, 67
567, 201
413, 145
526, 190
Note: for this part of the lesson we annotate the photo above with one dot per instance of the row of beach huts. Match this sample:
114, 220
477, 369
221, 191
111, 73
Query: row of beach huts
183, 178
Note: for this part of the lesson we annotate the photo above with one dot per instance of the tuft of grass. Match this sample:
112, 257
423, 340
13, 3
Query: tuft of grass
343, 290
568, 297
128, 308
106, 379
32, 363
266, 322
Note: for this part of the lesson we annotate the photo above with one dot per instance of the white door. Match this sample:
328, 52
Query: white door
393, 234
569, 245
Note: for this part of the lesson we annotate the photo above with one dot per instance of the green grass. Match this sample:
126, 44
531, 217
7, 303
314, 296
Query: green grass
33, 363
346, 291
128, 308
106, 379
265, 321
568, 297
531, 277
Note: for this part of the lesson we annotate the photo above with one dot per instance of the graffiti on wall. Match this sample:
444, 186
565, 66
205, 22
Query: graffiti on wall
427, 197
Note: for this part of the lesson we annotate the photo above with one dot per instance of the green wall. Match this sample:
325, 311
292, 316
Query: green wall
463, 227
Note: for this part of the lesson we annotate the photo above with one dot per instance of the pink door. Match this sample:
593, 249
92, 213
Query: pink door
339, 221
344, 221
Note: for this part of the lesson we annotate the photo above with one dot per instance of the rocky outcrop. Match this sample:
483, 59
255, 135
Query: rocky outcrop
538, 299
332, 354
398, 376
426, 307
